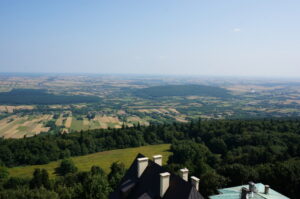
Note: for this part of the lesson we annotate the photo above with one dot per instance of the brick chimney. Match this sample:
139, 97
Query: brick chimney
158, 159
195, 182
142, 165
184, 174
164, 183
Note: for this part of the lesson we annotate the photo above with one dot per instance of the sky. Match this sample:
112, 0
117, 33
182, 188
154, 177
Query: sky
169, 37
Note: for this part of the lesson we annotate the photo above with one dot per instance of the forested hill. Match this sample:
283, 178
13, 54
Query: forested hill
41, 97
221, 152
181, 90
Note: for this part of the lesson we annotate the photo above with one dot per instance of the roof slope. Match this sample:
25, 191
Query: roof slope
148, 185
234, 193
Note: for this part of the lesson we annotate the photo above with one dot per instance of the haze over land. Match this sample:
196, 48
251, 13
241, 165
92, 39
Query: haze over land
228, 38
34, 104
86, 85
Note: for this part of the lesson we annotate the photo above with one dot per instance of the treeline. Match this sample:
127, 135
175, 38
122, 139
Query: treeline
68, 184
41, 97
221, 152
181, 90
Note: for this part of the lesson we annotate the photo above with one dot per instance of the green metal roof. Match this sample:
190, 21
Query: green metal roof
235, 193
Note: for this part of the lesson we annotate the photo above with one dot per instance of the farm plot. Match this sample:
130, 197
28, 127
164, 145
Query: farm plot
59, 121
135, 120
11, 109
18, 127
159, 110
84, 124
68, 122
108, 121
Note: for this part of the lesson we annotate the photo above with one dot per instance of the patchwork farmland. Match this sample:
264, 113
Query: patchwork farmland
68, 103
20, 126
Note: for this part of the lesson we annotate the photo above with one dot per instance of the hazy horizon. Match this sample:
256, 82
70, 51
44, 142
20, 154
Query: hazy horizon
186, 38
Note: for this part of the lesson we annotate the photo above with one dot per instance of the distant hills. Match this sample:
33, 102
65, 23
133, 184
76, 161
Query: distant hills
41, 97
181, 90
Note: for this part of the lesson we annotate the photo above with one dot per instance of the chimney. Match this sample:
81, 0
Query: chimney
184, 174
164, 183
142, 165
251, 186
195, 182
158, 159
267, 188
244, 194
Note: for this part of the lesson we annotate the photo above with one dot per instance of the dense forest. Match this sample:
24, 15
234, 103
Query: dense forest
41, 97
221, 152
181, 90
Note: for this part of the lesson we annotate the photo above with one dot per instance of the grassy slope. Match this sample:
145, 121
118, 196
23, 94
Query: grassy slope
102, 159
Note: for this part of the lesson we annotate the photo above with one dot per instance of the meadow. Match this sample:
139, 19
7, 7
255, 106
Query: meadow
103, 159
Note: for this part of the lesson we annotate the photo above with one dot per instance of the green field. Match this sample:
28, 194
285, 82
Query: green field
77, 125
102, 159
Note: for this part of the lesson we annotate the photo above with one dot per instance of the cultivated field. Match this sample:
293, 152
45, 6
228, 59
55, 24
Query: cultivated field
118, 103
11, 109
103, 159
20, 126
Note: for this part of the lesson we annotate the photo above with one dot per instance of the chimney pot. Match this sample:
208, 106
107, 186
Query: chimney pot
184, 173
195, 182
158, 159
142, 165
267, 188
164, 183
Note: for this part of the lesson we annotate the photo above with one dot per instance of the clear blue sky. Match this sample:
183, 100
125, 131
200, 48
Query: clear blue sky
212, 37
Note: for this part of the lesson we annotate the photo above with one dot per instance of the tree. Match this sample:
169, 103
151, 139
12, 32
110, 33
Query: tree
217, 145
6, 156
25, 193
40, 178
116, 174
66, 166
94, 185
238, 173
15, 183
36, 181
210, 182
45, 179
95, 170
3, 173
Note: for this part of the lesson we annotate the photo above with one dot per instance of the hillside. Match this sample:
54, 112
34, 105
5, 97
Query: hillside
41, 97
103, 159
181, 90
222, 153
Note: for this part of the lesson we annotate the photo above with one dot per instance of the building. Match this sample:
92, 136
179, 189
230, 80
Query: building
250, 191
147, 179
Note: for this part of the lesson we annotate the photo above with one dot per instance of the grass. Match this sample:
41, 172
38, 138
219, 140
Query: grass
94, 124
111, 124
103, 159
76, 125
23, 128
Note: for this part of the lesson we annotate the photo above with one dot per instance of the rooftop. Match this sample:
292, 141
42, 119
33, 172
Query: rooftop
235, 193
147, 186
